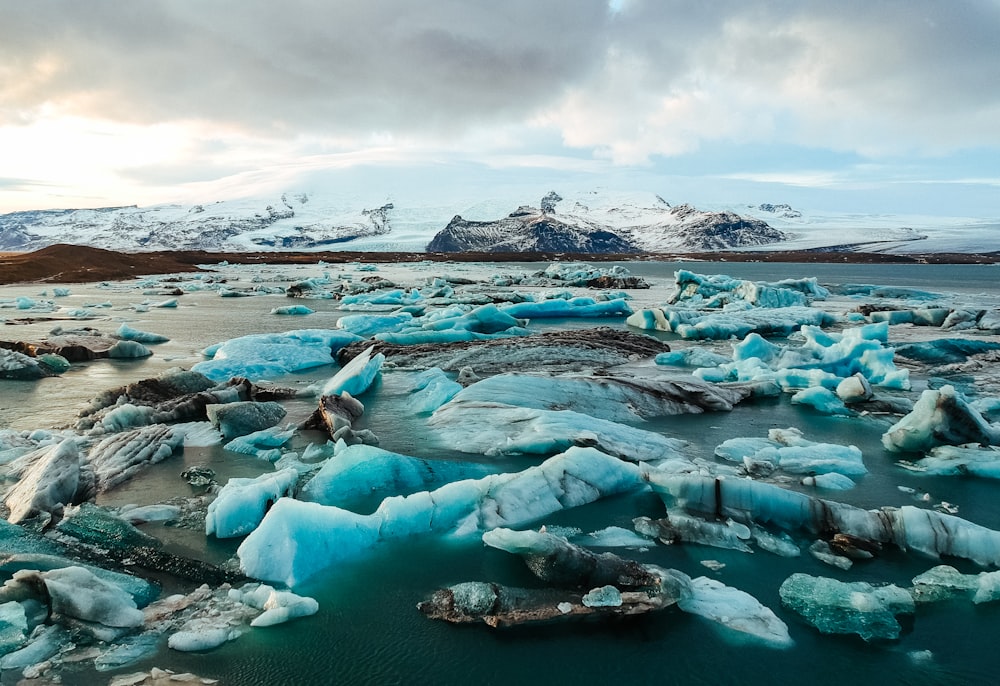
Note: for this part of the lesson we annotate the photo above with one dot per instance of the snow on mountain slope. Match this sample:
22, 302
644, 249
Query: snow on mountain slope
596, 223
286, 222
579, 221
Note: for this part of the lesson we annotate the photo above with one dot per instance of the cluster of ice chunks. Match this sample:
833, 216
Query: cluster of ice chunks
788, 450
297, 539
721, 307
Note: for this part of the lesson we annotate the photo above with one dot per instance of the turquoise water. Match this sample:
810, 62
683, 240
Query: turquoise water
368, 630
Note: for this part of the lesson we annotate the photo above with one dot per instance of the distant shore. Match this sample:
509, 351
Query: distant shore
80, 264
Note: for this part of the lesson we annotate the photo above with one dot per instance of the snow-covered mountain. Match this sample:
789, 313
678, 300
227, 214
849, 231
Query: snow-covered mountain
286, 222
644, 223
598, 221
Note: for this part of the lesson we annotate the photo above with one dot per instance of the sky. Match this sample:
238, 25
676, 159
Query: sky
879, 106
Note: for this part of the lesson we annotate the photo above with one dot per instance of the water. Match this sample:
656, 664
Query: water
368, 630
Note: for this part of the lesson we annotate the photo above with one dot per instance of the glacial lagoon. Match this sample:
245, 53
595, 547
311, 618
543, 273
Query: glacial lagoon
368, 629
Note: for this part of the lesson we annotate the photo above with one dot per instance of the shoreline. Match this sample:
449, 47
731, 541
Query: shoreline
80, 264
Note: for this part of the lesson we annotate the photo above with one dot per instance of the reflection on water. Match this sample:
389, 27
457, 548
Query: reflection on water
368, 630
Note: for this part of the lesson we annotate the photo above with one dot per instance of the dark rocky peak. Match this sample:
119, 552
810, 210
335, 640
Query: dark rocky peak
549, 202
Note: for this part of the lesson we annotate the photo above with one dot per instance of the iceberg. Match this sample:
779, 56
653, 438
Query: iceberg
487, 428
242, 503
244, 417
128, 333
119, 457
944, 582
51, 478
370, 324
76, 592
940, 417
574, 307
837, 607
736, 610
296, 540
909, 528
262, 356
618, 398
948, 460
556, 561
357, 472
356, 376
788, 450
432, 389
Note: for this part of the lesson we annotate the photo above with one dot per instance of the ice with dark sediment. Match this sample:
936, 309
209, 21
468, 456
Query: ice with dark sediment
574, 350
940, 417
950, 460
909, 528
245, 417
120, 456
49, 479
615, 397
788, 450
242, 503
296, 540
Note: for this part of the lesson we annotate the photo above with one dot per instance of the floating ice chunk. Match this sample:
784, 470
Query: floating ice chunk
605, 596
836, 607
77, 592
359, 471
245, 417
736, 610
854, 389
263, 444
119, 457
201, 638
574, 307
278, 606
128, 350
788, 450
946, 350
43, 644
680, 528
296, 310
127, 333
831, 481
781, 544
296, 540
433, 390
13, 627
944, 582
15, 365
242, 503
692, 357
615, 537
370, 324
940, 417
495, 429
614, 398
822, 400
54, 476
198, 434
947, 460
356, 376
135, 514
260, 356
745, 500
